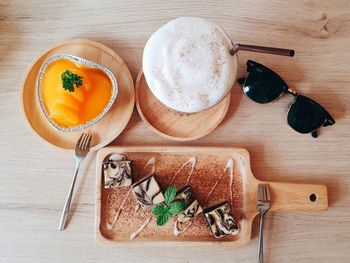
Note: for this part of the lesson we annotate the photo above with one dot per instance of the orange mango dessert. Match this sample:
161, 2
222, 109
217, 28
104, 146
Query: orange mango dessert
74, 94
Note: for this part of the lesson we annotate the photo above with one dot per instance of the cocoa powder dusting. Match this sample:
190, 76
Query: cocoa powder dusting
207, 171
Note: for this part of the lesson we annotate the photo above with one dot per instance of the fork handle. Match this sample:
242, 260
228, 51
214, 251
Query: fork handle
69, 199
261, 240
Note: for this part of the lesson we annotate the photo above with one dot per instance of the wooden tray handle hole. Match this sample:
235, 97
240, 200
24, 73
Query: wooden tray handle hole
313, 197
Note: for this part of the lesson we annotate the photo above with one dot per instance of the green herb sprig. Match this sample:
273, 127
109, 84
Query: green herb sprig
69, 79
168, 208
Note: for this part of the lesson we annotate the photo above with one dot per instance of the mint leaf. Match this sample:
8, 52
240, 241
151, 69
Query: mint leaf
176, 208
69, 79
163, 219
170, 194
159, 210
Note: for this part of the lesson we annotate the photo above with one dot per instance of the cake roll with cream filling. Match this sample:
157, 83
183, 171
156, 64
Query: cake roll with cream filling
220, 220
117, 173
148, 192
192, 206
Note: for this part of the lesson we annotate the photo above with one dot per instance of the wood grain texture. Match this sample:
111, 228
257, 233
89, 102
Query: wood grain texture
35, 178
174, 125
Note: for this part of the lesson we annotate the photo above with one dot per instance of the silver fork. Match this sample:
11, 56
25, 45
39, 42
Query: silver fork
263, 206
81, 150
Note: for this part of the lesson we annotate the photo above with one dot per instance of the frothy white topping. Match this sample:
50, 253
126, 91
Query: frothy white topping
187, 64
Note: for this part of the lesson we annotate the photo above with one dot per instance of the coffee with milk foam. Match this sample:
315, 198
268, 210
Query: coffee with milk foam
187, 64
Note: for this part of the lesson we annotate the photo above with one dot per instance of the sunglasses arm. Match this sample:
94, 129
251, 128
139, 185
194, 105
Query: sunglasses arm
293, 92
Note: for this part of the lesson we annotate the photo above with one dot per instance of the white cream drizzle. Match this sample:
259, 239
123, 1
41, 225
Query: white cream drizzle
141, 228
230, 166
193, 162
178, 231
214, 186
151, 162
242, 165
137, 208
118, 212
117, 157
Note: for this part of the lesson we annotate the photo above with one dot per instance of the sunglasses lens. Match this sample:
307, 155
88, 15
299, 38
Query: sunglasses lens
305, 115
263, 87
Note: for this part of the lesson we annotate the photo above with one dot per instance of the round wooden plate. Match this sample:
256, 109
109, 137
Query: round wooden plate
174, 125
105, 130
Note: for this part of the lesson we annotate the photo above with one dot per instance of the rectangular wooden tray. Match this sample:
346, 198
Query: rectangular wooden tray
210, 165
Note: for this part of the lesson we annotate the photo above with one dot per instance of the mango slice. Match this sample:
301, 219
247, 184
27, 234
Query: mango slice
86, 102
68, 101
64, 116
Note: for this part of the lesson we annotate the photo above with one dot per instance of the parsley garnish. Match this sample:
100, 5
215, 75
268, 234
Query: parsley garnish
69, 79
169, 208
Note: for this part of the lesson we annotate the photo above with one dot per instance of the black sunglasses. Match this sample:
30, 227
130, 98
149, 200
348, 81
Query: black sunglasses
263, 85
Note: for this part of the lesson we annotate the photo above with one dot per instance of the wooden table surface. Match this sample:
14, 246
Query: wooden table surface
35, 178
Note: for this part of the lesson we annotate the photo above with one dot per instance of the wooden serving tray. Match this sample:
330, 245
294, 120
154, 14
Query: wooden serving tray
174, 125
211, 163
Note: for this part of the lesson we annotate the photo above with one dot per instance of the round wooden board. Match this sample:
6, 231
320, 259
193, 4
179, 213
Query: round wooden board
174, 125
110, 126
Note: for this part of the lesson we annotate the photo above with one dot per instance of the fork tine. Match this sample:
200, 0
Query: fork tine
81, 146
265, 192
86, 145
89, 141
268, 197
80, 139
85, 142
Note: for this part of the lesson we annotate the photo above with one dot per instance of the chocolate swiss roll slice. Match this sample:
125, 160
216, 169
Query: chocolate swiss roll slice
220, 220
148, 192
117, 173
192, 206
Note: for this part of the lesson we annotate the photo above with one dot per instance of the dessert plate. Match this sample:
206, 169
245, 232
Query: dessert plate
175, 125
106, 129
208, 164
